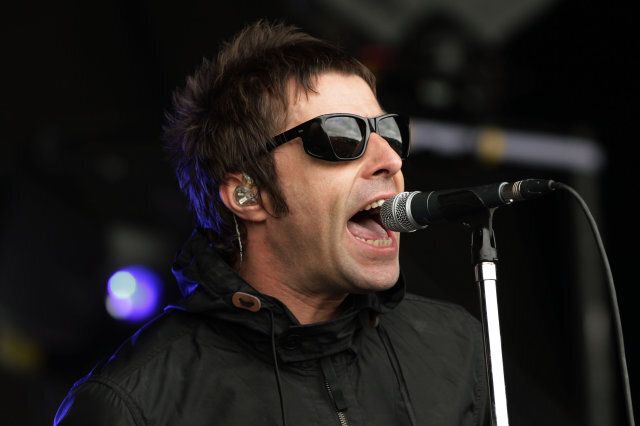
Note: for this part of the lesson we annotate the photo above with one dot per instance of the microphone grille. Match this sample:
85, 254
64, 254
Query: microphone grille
394, 214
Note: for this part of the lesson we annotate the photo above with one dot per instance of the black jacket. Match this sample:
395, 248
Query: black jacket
390, 359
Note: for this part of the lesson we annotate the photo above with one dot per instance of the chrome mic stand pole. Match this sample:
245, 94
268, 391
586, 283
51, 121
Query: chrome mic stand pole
485, 257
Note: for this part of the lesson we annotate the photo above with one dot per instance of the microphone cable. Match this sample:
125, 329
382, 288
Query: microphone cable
612, 298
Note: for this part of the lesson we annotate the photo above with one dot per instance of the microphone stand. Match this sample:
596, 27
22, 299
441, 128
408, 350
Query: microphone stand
485, 258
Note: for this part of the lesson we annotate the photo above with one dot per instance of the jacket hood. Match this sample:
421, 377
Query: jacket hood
212, 288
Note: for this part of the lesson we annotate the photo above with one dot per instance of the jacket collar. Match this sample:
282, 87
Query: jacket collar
209, 284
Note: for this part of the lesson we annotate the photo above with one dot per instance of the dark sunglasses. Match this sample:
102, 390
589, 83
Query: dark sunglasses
343, 137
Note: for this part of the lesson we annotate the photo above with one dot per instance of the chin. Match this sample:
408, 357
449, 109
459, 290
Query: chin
374, 282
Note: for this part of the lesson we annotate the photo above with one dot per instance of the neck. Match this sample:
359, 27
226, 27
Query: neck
270, 272
272, 278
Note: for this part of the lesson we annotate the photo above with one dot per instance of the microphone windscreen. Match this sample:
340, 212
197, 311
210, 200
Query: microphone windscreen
395, 215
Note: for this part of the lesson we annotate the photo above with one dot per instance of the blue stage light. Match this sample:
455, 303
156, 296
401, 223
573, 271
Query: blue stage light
122, 284
133, 293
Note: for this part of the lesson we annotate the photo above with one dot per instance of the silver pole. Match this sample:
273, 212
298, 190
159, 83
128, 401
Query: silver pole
486, 278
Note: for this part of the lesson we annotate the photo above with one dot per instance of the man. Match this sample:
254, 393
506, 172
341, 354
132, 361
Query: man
294, 310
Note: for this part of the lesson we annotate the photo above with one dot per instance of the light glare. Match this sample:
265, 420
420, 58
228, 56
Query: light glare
133, 293
122, 284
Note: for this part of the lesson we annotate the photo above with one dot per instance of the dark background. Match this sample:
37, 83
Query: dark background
85, 187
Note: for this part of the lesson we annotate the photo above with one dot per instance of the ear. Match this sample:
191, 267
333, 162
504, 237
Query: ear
248, 212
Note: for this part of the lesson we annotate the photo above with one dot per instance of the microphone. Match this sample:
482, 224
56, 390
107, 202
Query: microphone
410, 211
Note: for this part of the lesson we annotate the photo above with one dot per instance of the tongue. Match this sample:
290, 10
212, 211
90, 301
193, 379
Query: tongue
367, 229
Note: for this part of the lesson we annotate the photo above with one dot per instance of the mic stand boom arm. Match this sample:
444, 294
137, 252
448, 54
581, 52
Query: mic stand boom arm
485, 258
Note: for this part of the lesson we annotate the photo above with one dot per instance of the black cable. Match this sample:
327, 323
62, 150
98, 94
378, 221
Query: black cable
275, 366
612, 298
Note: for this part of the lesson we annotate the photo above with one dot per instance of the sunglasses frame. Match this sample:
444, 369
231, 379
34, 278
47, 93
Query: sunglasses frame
371, 126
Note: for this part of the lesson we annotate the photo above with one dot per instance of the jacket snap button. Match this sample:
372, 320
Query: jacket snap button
291, 343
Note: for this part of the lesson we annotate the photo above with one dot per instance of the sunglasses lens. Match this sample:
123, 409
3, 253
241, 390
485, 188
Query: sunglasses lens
346, 135
396, 132
317, 142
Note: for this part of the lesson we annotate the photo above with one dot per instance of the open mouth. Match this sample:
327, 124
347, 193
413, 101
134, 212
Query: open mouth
367, 227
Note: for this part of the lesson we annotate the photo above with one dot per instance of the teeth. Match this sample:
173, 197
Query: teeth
385, 242
373, 205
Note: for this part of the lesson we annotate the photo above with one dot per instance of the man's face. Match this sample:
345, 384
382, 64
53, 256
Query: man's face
322, 250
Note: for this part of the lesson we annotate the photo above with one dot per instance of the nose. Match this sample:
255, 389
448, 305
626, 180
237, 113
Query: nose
380, 158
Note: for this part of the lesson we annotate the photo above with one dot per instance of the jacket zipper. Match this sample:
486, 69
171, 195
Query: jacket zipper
341, 416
